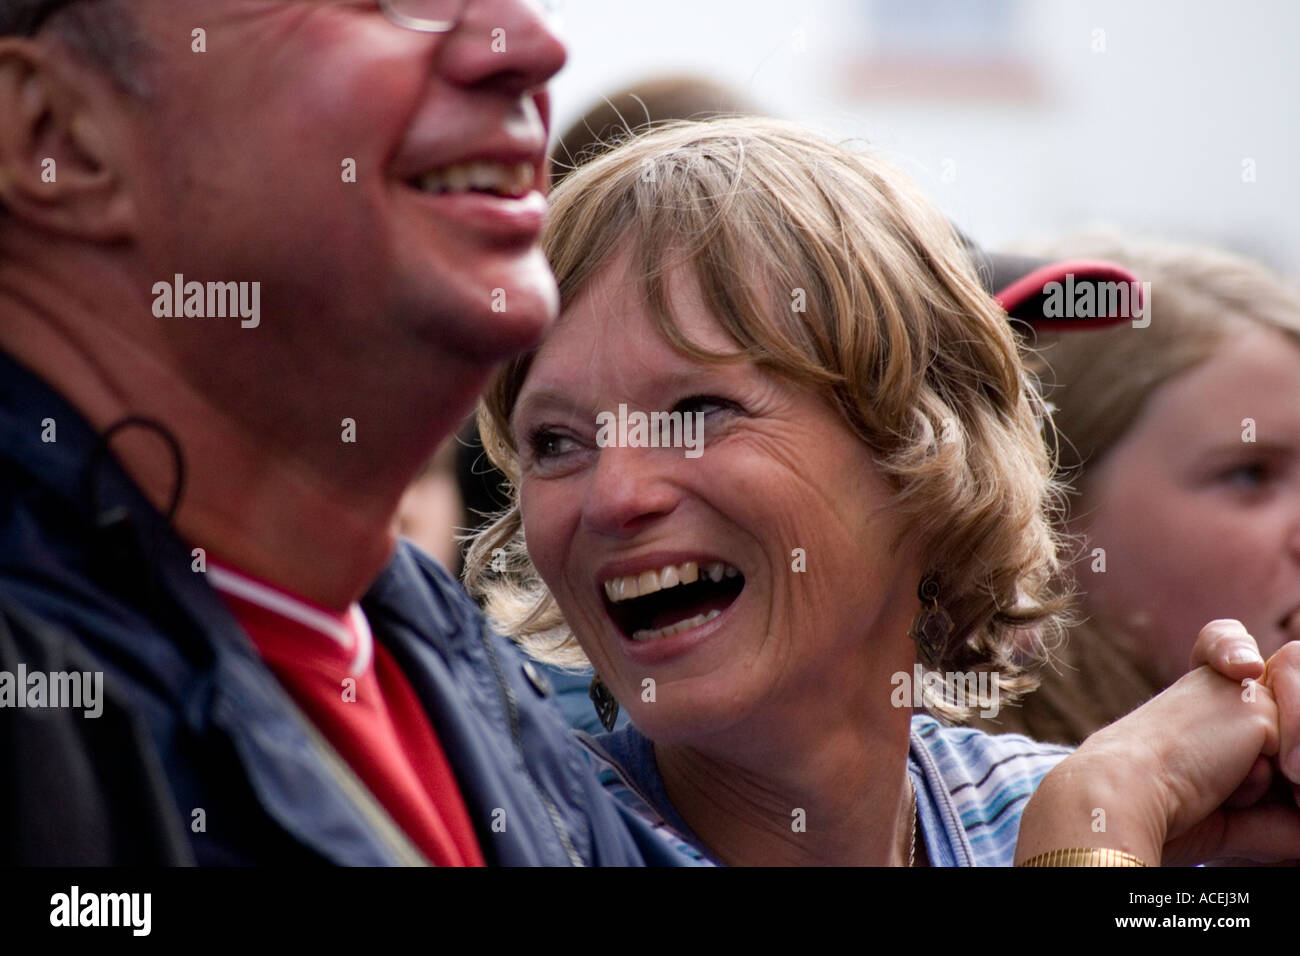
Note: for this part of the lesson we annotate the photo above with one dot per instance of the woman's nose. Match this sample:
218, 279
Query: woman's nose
629, 489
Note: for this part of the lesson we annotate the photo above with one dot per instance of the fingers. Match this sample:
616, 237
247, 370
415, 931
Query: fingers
1227, 646
1253, 822
1263, 715
1267, 834
1284, 682
1256, 785
1186, 751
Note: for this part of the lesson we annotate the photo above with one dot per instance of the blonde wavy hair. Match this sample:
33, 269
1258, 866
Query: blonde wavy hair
896, 332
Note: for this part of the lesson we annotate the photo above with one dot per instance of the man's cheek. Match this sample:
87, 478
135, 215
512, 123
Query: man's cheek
367, 88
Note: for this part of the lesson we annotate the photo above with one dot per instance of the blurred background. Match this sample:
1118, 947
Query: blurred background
1021, 118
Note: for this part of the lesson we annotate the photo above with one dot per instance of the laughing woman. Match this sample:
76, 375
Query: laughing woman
871, 491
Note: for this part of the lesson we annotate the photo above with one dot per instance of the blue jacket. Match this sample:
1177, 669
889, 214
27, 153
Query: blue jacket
200, 756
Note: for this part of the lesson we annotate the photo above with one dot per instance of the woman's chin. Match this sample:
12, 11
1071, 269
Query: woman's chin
692, 717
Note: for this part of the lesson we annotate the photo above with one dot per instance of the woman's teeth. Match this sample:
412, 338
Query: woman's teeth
648, 582
677, 628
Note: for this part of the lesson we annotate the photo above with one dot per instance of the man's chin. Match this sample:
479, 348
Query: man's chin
489, 309
492, 337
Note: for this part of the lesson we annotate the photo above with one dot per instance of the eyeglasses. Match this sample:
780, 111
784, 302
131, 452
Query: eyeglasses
426, 16
443, 16
26, 17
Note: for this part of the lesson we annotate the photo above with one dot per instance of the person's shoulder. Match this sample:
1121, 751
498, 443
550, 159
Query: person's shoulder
978, 756
630, 749
986, 778
435, 577
414, 586
512, 701
624, 763
415, 590
87, 745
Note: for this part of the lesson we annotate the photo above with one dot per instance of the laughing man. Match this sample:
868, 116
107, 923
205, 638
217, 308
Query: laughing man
200, 507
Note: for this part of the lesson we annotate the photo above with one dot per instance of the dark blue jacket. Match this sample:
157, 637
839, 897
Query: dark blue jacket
200, 756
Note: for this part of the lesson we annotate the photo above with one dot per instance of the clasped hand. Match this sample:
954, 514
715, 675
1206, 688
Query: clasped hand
1209, 769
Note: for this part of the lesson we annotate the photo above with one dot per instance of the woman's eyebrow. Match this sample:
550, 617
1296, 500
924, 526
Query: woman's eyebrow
542, 398
662, 382
685, 378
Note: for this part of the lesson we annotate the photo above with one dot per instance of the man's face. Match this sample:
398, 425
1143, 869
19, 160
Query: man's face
240, 165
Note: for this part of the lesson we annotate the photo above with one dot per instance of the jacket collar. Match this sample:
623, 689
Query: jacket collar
104, 545
92, 554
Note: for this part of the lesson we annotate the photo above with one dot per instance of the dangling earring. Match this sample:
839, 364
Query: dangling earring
932, 625
606, 705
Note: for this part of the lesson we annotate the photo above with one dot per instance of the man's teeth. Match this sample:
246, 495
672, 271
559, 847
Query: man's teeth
648, 582
504, 179
677, 628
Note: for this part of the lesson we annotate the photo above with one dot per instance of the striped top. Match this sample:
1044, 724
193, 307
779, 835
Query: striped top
971, 788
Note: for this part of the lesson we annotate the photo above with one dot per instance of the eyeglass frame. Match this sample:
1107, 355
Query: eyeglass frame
38, 19
420, 24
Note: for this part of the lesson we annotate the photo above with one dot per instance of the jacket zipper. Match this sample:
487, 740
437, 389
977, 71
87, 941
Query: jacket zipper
512, 713
361, 798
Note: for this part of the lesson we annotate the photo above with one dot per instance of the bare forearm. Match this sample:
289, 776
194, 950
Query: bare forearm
1085, 804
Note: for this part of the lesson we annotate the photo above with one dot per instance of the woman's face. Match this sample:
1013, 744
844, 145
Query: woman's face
1196, 521
813, 592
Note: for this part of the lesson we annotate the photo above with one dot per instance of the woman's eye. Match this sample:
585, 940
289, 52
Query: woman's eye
547, 444
706, 404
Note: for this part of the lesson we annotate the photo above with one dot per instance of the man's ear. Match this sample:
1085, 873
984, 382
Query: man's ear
58, 168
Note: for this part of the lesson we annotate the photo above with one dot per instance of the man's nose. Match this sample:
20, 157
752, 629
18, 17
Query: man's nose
629, 490
505, 43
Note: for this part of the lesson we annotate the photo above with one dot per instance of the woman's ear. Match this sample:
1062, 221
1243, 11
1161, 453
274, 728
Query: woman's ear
59, 168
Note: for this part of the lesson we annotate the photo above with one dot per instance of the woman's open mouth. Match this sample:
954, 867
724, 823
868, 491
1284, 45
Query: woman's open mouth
671, 599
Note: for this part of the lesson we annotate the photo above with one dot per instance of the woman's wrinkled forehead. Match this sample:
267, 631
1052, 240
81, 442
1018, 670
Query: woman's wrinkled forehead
611, 335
